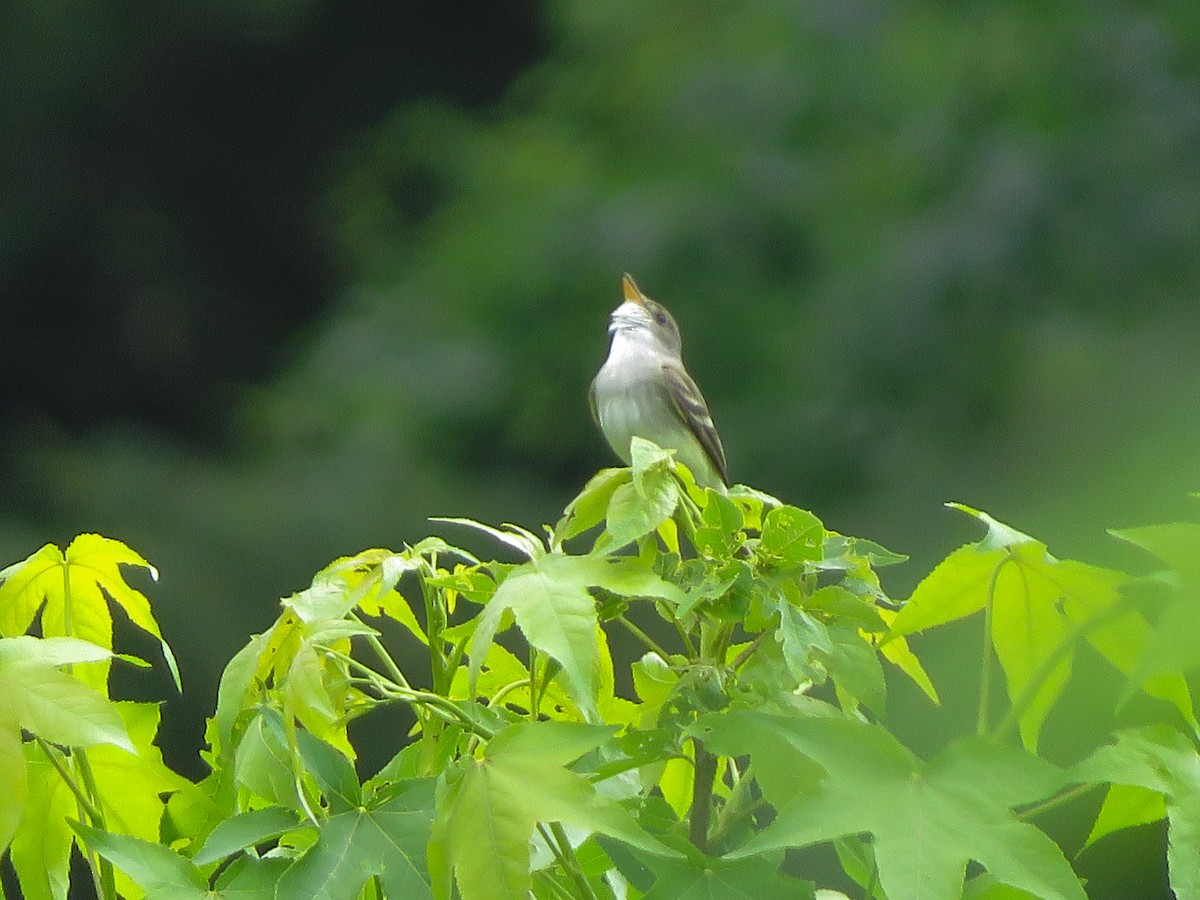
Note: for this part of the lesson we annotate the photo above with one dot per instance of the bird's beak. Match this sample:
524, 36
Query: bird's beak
630, 289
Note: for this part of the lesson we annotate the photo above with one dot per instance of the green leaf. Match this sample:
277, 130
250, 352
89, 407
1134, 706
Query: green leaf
717, 879
129, 788
1041, 607
245, 830
719, 532
999, 536
250, 878
511, 536
955, 589
635, 510
1177, 544
802, 636
14, 779
387, 838
791, 536
1174, 644
847, 553
897, 652
161, 872
488, 818
233, 690
1158, 758
1126, 806
646, 458
271, 759
71, 589
854, 667
927, 820
550, 601
50, 703
51, 651
1121, 635
41, 848
1029, 632
588, 509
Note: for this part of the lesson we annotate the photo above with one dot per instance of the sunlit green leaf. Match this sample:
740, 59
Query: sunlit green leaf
897, 652
854, 667
1041, 608
129, 788
72, 589
510, 536
14, 781
41, 848
956, 588
1174, 644
48, 702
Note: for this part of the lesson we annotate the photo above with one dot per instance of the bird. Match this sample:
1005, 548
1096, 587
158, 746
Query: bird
643, 390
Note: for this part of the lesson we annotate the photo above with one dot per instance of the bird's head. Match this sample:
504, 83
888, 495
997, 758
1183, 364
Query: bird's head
639, 317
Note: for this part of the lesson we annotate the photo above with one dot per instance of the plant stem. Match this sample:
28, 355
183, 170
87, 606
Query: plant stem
704, 774
107, 878
440, 706
560, 846
386, 658
985, 664
1058, 799
736, 809
688, 643
551, 884
85, 803
741, 658
435, 621
650, 643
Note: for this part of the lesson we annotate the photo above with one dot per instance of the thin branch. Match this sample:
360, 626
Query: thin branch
650, 643
1057, 800
985, 663
742, 658
703, 776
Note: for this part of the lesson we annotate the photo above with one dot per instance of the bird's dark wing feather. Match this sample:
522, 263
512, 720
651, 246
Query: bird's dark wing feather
592, 404
689, 404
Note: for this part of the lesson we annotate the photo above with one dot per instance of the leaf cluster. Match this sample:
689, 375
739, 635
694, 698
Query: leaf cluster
546, 760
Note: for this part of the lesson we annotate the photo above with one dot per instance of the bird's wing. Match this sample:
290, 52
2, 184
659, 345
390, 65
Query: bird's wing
592, 404
691, 408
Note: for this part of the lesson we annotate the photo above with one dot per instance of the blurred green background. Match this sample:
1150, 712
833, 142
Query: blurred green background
279, 279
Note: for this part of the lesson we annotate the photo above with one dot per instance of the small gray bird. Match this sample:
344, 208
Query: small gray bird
643, 389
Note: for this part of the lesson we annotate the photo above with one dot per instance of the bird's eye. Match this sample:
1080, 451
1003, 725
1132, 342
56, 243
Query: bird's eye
660, 318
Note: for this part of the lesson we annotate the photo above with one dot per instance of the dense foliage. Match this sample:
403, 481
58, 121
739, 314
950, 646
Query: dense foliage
335, 268
750, 723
